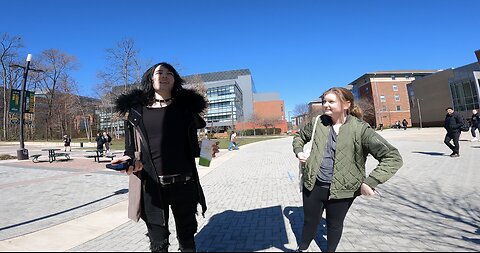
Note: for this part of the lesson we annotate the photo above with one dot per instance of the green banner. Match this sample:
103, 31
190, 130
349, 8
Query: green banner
29, 102
15, 101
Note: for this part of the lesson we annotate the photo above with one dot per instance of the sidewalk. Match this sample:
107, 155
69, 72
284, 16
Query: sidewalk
432, 204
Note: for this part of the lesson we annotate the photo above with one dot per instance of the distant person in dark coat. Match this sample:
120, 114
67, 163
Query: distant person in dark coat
475, 124
404, 124
453, 123
100, 141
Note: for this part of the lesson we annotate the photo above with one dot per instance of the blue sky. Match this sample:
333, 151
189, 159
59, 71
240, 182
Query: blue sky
296, 48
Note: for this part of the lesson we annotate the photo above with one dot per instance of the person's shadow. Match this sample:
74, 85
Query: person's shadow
429, 153
248, 231
295, 215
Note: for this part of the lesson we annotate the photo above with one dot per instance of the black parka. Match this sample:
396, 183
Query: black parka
131, 105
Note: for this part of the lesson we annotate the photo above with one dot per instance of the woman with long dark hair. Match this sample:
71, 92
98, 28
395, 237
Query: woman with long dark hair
334, 173
161, 144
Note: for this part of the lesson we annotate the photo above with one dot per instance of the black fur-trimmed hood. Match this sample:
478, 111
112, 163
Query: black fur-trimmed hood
190, 99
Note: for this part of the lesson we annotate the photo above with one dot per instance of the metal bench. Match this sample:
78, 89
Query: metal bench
35, 158
110, 156
63, 154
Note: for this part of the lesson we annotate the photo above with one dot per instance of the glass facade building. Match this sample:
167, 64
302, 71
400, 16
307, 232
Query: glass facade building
465, 87
225, 104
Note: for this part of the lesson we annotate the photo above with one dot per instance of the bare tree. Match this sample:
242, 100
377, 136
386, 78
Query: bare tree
8, 55
57, 66
368, 110
123, 64
255, 120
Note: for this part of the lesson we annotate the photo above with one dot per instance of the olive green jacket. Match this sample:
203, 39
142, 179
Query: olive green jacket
355, 140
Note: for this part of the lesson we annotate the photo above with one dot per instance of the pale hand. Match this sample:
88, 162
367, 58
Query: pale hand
138, 166
366, 190
302, 157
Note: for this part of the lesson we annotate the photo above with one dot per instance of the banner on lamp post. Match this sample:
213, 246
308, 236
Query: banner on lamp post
15, 101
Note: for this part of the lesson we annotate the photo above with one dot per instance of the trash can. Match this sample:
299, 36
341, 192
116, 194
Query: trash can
81, 144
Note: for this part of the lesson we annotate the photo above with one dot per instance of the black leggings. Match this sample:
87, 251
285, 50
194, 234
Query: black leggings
181, 197
314, 203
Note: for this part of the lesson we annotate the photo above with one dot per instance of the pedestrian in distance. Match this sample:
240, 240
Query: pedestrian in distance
453, 124
167, 115
334, 173
475, 124
233, 141
100, 142
404, 124
66, 143
107, 140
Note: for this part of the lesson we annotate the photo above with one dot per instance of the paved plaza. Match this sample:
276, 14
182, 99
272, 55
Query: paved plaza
431, 204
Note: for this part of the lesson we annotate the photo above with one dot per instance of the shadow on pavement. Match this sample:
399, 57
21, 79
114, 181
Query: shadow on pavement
248, 231
429, 153
295, 215
435, 216
122, 191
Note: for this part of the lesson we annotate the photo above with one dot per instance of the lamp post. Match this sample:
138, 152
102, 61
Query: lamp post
22, 153
419, 112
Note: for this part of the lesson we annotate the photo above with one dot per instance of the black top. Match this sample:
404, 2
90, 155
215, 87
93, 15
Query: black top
169, 147
453, 122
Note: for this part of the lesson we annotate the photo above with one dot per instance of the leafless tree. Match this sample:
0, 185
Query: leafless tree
368, 110
124, 65
10, 46
57, 66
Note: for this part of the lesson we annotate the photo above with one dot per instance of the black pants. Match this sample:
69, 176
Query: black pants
473, 128
455, 136
314, 203
181, 197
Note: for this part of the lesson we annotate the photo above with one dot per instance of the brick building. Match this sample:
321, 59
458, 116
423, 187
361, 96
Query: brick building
383, 95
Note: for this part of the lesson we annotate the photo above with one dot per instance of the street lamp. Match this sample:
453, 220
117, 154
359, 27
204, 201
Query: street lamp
22, 153
419, 112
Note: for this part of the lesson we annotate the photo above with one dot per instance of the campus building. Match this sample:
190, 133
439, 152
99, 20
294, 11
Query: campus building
383, 95
456, 87
233, 102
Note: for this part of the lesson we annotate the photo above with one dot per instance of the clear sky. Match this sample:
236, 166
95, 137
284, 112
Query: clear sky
297, 48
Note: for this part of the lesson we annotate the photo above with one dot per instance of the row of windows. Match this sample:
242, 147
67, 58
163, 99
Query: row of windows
384, 99
397, 108
465, 95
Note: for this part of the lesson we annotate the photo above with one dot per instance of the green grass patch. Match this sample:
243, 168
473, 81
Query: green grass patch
7, 157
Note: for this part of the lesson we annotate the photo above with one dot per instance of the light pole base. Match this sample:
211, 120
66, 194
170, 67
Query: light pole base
22, 154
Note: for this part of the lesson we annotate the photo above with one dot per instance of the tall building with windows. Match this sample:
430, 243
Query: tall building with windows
456, 87
383, 95
229, 94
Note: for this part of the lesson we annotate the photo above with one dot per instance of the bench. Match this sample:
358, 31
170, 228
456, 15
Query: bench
110, 156
35, 158
63, 154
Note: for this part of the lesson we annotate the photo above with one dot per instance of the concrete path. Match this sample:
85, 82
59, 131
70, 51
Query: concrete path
432, 204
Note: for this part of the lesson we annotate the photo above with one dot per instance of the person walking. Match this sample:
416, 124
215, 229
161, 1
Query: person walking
453, 124
334, 173
475, 124
100, 142
162, 118
66, 143
107, 140
233, 141
404, 124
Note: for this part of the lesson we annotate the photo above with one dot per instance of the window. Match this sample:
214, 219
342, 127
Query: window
393, 77
384, 108
395, 87
382, 98
398, 108
397, 98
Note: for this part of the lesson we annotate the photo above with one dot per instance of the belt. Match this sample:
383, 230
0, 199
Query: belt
172, 179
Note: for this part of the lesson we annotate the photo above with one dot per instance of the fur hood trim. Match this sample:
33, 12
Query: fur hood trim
190, 99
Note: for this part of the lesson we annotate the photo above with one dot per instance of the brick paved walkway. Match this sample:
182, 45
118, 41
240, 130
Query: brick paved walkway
432, 204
